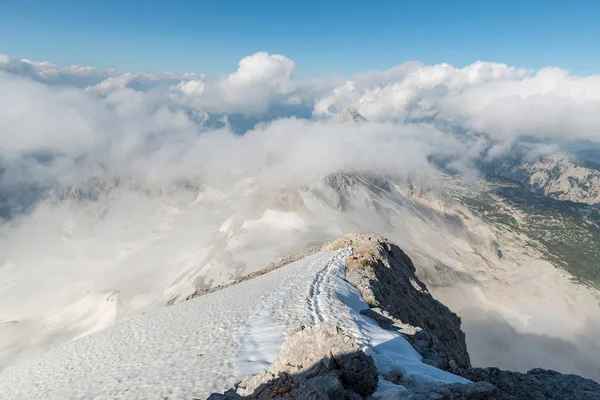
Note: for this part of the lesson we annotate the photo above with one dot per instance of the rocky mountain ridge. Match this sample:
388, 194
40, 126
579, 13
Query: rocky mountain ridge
323, 362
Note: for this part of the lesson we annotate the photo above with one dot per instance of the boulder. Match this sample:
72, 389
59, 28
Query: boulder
315, 362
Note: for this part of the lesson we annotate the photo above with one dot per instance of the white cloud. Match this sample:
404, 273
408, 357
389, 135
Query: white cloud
502, 101
35, 117
113, 83
71, 127
492, 98
547, 103
120, 122
52, 74
260, 80
84, 76
140, 81
351, 91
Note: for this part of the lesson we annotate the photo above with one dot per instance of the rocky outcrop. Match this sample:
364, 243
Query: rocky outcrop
322, 362
385, 277
318, 362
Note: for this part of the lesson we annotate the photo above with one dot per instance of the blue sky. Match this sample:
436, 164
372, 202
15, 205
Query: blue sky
323, 37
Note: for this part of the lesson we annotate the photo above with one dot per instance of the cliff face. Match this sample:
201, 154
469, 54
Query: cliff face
385, 277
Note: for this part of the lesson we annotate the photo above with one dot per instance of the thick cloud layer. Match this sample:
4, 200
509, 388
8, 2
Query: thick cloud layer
130, 133
495, 99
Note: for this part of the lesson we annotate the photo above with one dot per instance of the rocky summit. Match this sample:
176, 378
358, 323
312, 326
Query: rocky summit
350, 115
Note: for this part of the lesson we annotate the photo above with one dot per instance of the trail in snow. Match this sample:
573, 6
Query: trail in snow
329, 298
332, 299
258, 341
204, 345
315, 297
296, 302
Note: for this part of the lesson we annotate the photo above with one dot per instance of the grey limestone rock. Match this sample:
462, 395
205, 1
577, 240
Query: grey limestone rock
385, 277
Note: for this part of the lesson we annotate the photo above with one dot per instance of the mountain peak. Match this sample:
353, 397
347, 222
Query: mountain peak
350, 115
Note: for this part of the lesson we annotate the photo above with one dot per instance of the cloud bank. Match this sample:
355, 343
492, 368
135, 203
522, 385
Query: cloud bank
86, 76
495, 99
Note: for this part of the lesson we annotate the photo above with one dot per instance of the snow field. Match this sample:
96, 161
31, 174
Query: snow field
205, 345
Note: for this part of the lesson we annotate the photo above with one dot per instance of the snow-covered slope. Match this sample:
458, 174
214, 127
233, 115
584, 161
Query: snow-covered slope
204, 345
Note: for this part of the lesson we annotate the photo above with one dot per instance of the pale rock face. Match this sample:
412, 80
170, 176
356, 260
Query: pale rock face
558, 177
350, 115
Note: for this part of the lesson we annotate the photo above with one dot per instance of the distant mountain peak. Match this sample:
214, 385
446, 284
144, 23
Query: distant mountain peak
350, 115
